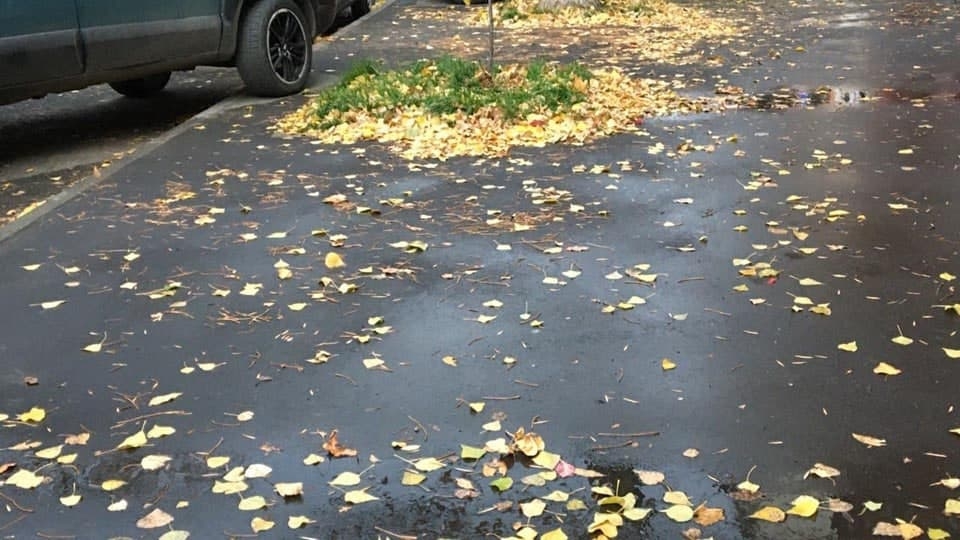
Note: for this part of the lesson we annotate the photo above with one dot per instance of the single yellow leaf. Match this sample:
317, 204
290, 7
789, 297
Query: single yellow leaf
229, 488
175, 535
679, 513
136, 440
822, 471
769, 513
111, 485
215, 462
411, 478
676, 497
154, 462
67, 459
547, 460
808, 282
250, 504
118, 506
289, 489
52, 304
346, 479
951, 507
449, 360
259, 524
313, 459
24, 479
157, 432
257, 470
666, 364
428, 464
93, 348
484, 319
872, 506
556, 534
557, 496
946, 276
533, 508
902, 340
952, 353
804, 506
849, 347
299, 306
471, 452
359, 496
937, 534
636, 514
155, 519
50, 453
884, 368
70, 500
165, 398
297, 522
502, 484
35, 415
333, 260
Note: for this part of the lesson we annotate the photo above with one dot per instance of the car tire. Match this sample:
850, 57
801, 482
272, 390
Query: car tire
143, 87
359, 8
275, 48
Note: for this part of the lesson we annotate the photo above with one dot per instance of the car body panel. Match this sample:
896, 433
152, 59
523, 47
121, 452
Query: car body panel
36, 47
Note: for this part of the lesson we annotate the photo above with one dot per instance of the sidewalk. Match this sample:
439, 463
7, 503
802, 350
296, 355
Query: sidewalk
590, 295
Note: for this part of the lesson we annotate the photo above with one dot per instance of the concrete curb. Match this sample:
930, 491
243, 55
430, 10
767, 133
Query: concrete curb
234, 101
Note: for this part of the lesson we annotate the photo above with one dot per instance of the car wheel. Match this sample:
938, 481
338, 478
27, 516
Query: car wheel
359, 9
143, 87
275, 48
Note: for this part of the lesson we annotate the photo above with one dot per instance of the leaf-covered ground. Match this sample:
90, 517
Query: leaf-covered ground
735, 325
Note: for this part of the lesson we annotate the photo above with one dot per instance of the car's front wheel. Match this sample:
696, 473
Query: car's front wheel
143, 87
275, 51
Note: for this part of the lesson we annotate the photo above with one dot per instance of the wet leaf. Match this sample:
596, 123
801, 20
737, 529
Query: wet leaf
547, 460
50, 453
155, 519
952, 353
849, 347
576, 505
502, 484
289, 489
871, 442
298, 522
34, 416
165, 398
429, 464
250, 504
808, 282
679, 513
333, 260
175, 535
556, 534
136, 440
215, 462
471, 452
533, 508
667, 364
154, 462
676, 497
259, 524
951, 507
937, 534
411, 478
334, 448
346, 479
705, 516
157, 432
52, 304
822, 471
837, 505
80, 439
24, 479
70, 500
118, 506
650, 478
636, 514
872, 506
804, 506
902, 340
769, 513
111, 485
257, 470
229, 488
884, 368
359, 496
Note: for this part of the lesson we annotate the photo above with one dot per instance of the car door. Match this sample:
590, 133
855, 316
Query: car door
120, 34
39, 41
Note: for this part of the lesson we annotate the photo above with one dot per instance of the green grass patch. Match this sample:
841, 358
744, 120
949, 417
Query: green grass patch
449, 85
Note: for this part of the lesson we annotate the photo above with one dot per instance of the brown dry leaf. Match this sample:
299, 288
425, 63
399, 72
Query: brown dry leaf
4, 467
769, 513
334, 448
705, 516
79, 439
530, 444
838, 505
155, 519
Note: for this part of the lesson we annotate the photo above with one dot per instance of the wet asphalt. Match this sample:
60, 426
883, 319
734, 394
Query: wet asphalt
756, 385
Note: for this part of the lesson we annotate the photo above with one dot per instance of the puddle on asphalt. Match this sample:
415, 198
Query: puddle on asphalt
836, 97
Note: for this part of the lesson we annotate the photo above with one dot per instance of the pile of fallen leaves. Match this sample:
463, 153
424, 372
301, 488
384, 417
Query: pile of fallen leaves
612, 102
651, 29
